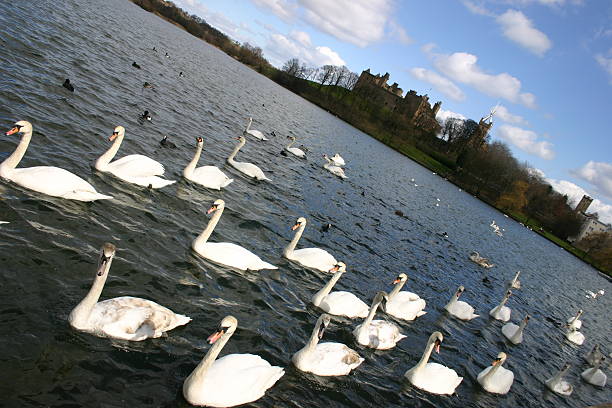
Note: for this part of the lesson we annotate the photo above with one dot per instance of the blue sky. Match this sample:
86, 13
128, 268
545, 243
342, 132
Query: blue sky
547, 63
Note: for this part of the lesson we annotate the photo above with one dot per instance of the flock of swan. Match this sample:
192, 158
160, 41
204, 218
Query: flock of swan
241, 378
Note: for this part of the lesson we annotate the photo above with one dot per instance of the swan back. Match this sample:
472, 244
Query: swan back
495, 378
558, 385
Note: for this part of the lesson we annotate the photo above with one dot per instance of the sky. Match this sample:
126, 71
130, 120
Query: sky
545, 66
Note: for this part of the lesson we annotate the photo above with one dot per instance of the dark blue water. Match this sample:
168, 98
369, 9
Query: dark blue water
48, 250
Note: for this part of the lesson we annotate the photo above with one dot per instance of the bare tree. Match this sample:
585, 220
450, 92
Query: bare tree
339, 74
350, 81
326, 74
292, 67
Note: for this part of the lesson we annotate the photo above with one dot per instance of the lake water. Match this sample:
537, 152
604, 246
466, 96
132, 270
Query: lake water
49, 249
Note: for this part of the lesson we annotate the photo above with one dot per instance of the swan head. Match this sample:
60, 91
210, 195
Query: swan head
525, 320
106, 257
199, 141
215, 206
436, 338
579, 313
118, 132
339, 267
508, 293
402, 277
227, 326
380, 299
291, 137
460, 290
23, 126
322, 324
501, 357
300, 221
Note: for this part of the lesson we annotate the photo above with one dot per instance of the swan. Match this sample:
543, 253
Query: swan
460, 309
249, 169
207, 176
4, 222
339, 303
515, 283
134, 168
337, 160
315, 258
378, 334
594, 375
335, 170
433, 377
325, 359
125, 317
225, 253
574, 336
558, 385
255, 133
404, 305
574, 322
495, 378
513, 332
502, 312
234, 379
53, 181
294, 150
594, 356
484, 262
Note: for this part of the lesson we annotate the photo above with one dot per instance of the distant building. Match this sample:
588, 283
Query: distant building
583, 204
591, 225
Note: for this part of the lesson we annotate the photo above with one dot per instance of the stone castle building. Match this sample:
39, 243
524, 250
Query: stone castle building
415, 108
583, 204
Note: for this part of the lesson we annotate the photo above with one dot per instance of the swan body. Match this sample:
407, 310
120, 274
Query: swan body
325, 359
513, 332
335, 170
495, 378
337, 160
574, 336
403, 304
52, 181
124, 318
378, 334
294, 150
574, 322
502, 312
459, 309
484, 262
433, 377
249, 169
226, 253
207, 176
594, 356
515, 283
558, 385
234, 379
255, 133
314, 258
339, 303
134, 168
595, 376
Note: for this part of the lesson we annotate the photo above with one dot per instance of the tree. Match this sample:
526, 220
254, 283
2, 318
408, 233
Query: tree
292, 67
350, 81
326, 73
514, 200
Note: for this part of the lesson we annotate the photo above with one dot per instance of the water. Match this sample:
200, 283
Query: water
47, 252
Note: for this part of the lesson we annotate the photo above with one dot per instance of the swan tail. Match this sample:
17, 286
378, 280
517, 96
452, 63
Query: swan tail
421, 313
180, 320
86, 195
265, 265
227, 183
162, 183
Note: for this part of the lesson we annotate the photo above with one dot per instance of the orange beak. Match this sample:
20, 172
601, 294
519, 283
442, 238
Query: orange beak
214, 337
437, 348
296, 226
397, 280
12, 131
335, 268
112, 137
211, 209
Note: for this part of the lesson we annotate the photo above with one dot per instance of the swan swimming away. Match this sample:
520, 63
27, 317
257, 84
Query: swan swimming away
573, 335
134, 168
325, 359
255, 133
484, 262
501, 311
594, 375
125, 317
207, 176
335, 170
574, 322
52, 181
249, 169
513, 332
234, 379
294, 150
403, 304
594, 356
459, 309
315, 258
378, 334
495, 378
225, 253
558, 385
339, 303
433, 377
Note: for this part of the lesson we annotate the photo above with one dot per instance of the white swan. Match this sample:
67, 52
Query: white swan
325, 359
255, 133
594, 375
513, 332
249, 169
339, 303
315, 258
378, 334
225, 253
335, 170
234, 379
433, 377
459, 309
337, 160
594, 356
574, 322
126, 317
52, 181
404, 305
495, 378
4, 222
558, 385
574, 336
134, 168
207, 176
501, 311
294, 150
515, 283
484, 262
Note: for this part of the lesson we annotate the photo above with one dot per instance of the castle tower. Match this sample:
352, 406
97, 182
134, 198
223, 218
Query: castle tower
436, 108
583, 204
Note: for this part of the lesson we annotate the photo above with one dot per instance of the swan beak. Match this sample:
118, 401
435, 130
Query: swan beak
12, 131
335, 268
216, 335
396, 281
495, 362
296, 226
102, 266
437, 347
211, 209
113, 136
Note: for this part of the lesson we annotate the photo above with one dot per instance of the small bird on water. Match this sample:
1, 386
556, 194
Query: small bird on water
145, 115
166, 143
147, 85
135, 65
68, 85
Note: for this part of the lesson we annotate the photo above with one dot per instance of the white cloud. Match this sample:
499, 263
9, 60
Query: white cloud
398, 32
444, 115
477, 8
574, 194
526, 140
301, 37
442, 84
281, 48
218, 20
599, 174
502, 113
281, 8
518, 28
462, 67
606, 63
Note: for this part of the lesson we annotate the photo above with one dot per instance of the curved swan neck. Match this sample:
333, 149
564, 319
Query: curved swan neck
290, 144
192, 164
235, 151
298, 234
452, 301
13, 160
106, 158
318, 297
396, 289
426, 354
370, 317
492, 371
248, 126
80, 314
559, 376
203, 237
501, 304
198, 373
314, 338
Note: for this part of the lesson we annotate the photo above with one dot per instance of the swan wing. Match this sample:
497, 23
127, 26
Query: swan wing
295, 151
510, 330
329, 359
502, 314
210, 177
136, 165
407, 310
462, 310
381, 335
257, 134
436, 378
233, 255
315, 258
405, 296
498, 383
344, 304
250, 170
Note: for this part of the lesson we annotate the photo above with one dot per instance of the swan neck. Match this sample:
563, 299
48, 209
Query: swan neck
492, 371
452, 301
235, 151
318, 297
192, 164
366, 322
291, 144
426, 354
298, 234
501, 304
396, 289
558, 377
199, 373
105, 159
314, 338
13, 160
203, 237
80, 314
